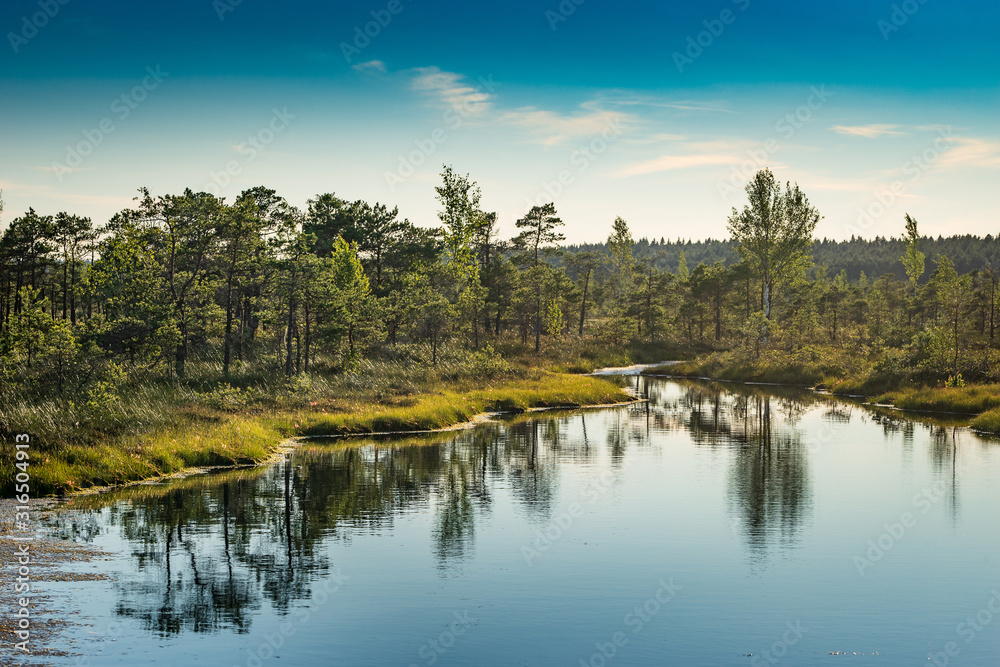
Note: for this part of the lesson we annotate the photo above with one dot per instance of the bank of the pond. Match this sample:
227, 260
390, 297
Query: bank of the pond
200, 437
978, 405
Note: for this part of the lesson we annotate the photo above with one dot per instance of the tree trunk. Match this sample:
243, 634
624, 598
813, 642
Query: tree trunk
72, 291
65, 294
583, 304
308, 338
228, 338
993, 306
538, 323
288, 336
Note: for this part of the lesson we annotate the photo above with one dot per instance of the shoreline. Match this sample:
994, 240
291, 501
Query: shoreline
291, 444
908, 395
202, 441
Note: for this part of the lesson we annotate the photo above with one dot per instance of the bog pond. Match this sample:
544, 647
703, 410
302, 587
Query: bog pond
711, 525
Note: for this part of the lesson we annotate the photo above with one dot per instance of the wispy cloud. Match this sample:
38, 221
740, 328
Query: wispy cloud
872, 131
551, 127
680, 105
452, 89
673, 162
688, 105
972, 152
658, 138
692, 155
58, 199
371, 67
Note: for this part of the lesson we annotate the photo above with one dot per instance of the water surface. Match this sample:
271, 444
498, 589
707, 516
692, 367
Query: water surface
713, 525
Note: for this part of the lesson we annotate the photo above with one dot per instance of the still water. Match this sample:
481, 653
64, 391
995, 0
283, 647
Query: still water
712, 525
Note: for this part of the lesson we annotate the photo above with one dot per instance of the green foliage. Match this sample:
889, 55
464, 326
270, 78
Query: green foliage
914, 260
227, 398
554, 324
774, 231
187, 303
955, 381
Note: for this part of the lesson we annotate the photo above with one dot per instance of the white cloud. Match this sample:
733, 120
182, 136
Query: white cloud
452, 89
972, 152
550, 127
658, 138
372, 66
872, 131
680, 105
673, 162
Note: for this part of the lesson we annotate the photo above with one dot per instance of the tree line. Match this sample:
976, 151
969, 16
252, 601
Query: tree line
873, 257
190, 276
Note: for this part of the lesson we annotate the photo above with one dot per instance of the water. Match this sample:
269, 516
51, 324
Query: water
709, 526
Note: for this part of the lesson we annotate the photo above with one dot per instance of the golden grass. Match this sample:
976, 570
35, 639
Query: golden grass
199, 437
969, 400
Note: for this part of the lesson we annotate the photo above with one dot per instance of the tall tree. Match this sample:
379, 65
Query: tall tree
459, 197
583, 264
914, 260
539, 234
187, 229
621, 264
378, 230
774, 232
327, 217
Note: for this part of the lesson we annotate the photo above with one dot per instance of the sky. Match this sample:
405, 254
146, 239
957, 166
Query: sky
658, 112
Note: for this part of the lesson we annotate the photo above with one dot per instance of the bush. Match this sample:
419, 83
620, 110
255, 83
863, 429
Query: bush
487, 364
228, 398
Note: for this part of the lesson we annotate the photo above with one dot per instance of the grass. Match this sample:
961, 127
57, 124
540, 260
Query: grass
850, 374
808, 367
154, 428
970, 400
988, 422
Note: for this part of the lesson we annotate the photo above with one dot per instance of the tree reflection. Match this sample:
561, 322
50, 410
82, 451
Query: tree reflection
213, 550
769, 490
769, 487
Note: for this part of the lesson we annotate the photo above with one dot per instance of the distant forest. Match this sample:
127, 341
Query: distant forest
874, 257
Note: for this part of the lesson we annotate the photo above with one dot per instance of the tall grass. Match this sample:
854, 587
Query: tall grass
970, 400
152, 425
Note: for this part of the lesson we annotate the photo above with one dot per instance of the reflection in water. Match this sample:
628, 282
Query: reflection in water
769, 490
212, 550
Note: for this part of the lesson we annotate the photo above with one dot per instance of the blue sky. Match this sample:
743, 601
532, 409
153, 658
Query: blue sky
655, 111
